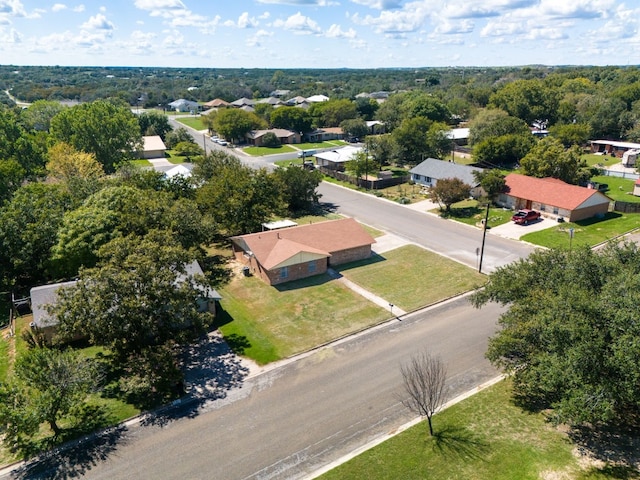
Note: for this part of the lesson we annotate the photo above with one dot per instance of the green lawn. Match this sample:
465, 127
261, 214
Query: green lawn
590, 232
471, 213
262, 151
412, 277
620, 189
193, 122
268, 323
140, 163
174, 158
600, 160
484, 437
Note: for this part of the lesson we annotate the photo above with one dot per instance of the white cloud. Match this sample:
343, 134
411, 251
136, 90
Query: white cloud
299, 24
448, 28
335, 31
264, 16
58, 7
10, 36
379, 4
79, 8
396, 23
12, 8
244, 21
159, 5
256, 39
299, 3
98, 22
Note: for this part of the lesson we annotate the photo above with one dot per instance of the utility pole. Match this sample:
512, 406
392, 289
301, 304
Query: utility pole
484, 236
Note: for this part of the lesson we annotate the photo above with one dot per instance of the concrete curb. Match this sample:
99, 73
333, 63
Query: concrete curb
399, 430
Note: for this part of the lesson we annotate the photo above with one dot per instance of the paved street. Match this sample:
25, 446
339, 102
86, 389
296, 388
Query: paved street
291, 420
451, 239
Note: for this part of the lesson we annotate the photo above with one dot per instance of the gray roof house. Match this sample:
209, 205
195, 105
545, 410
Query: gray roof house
431, 170
45, 295
182, 105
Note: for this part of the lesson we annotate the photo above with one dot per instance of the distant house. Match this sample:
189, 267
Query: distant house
298, 101
287, 254
216, 103
428, 172
336, 159
317, 98
321, 134
271, 101
152, 147
553, 197
46, 295
243, 102
636, 188
178, 170
182, 105
255, 137
612, 147
459, 136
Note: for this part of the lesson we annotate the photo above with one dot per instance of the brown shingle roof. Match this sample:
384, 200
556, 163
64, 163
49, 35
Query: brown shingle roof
549, 191
273, 247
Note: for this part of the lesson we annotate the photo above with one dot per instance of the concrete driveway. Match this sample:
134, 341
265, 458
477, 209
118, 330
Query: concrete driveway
514, 231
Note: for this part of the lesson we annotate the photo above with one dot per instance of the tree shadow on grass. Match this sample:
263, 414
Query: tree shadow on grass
459, 442
617, 446
74, 460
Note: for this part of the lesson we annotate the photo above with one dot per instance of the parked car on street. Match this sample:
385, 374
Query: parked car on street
524, 217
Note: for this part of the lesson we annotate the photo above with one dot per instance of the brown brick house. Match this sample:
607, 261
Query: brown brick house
553, 197
287, 254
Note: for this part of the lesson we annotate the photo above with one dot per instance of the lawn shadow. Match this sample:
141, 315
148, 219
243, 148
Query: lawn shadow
211, 369
593, 220
374, 258
462, 212
459, 442
316, 280
617, 446
75, 459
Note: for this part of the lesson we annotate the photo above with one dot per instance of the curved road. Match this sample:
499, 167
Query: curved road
300, 416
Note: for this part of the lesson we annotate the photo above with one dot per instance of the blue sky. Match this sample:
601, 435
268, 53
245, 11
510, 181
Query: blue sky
319, 33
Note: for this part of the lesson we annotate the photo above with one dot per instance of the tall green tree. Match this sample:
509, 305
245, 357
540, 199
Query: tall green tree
291, 118
39, 114
530, 100
154, 123
549, 158
237, 197
492, 182
233, 123
410, 140
48, 385
299, 188
138, 296
569, 336
448, 191
30, 222
107, 130
493, 122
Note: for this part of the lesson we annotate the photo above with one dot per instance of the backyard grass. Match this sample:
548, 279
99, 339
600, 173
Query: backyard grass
269, 323
172, 157
620, 189
590, 232
291, 161
600, 160
412, 277
262, 151
484, 437
193, 122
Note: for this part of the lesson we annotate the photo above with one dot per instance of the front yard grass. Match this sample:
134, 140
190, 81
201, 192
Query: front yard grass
193, 122
262, 151
472, 213
484, 437
412, 277
590, 232
269, 323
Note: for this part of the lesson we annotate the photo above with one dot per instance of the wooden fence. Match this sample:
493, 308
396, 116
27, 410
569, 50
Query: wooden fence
370, 184
626, 207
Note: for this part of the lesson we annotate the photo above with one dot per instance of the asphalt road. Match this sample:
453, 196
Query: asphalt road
298, 417
451, 239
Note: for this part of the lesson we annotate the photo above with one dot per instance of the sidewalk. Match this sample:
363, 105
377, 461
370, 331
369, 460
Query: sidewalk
397, 311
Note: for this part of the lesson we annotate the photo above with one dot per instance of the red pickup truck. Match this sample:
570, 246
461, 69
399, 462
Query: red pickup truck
523, 217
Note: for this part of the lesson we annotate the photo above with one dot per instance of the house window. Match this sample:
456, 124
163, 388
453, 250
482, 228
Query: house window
284, 272
427, 179
555, 210
312, 266
543, 207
